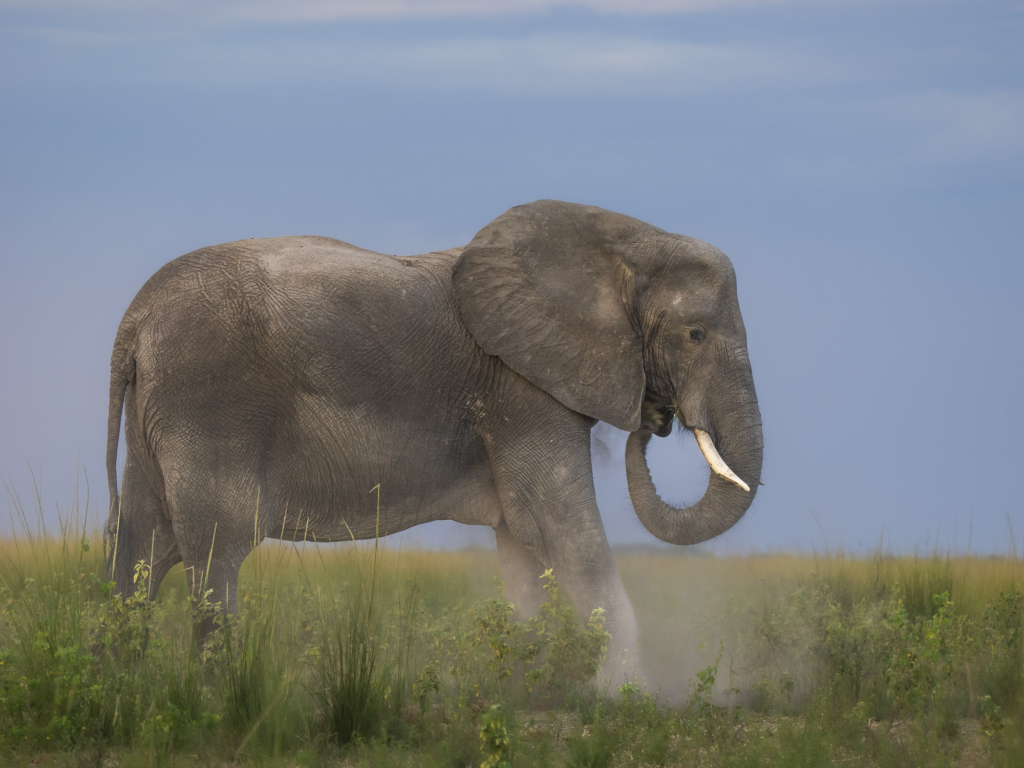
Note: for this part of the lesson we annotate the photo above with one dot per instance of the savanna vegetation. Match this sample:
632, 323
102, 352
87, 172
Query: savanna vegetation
364, 655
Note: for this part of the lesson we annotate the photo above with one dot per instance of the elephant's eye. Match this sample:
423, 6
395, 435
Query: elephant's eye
697, 334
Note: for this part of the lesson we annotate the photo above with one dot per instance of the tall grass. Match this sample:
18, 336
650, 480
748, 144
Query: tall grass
360, 668
380, 657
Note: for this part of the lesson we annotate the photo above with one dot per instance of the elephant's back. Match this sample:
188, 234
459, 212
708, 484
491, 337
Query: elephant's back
361, 323
310, 274
328, 315
283, 286
309, 263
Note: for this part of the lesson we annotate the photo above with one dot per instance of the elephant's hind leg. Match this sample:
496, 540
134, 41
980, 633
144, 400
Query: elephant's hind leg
212, 561
215, 533
139, 532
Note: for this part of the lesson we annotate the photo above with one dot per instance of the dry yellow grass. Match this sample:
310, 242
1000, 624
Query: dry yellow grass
686, 603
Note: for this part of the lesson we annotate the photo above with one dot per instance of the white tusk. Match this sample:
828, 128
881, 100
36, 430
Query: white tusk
707, 447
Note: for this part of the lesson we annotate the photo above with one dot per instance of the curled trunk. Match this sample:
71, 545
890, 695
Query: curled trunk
723, 503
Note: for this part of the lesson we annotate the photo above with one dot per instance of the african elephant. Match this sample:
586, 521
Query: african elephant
268, 385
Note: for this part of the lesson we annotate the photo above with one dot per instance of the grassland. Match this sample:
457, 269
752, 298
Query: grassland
364, 655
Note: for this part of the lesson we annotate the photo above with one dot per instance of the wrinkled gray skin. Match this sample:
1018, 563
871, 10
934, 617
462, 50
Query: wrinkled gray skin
294, 374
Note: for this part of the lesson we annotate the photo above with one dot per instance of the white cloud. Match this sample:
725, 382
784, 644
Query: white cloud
542, 65
321, 10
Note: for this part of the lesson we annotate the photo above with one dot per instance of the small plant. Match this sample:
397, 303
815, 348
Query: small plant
428, 683
494, 739
572, 652
547, 655
1002, 644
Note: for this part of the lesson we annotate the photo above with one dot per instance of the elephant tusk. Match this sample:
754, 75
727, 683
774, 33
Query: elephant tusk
707, 447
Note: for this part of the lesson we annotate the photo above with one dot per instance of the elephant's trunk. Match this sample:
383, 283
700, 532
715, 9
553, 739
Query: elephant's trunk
738, 442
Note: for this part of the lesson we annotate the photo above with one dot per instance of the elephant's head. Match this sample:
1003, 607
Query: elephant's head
631, 325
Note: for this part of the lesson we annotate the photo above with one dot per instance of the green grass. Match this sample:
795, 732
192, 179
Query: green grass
363, 655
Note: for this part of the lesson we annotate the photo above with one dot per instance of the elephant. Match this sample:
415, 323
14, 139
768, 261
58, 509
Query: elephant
268, 385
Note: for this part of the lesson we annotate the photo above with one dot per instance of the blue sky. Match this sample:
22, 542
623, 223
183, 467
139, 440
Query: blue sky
862, 163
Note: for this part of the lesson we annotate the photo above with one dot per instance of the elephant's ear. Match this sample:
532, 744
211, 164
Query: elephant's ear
545, 288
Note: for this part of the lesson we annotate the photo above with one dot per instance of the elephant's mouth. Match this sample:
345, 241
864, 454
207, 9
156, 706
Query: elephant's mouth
658, 419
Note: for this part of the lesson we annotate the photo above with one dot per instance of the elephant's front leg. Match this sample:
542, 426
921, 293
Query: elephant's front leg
521, 572
550, 520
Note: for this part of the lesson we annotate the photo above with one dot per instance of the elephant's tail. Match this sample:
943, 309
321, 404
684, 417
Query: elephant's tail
121, 371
